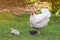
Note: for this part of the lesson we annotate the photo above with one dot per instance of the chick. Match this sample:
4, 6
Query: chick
33, 32
15, 32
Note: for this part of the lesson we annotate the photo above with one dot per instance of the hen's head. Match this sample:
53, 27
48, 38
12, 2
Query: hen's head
32, 11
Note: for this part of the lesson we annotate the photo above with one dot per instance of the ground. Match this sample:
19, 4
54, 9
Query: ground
21, 23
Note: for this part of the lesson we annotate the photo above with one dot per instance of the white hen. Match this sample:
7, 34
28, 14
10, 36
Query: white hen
15, 32
40, 20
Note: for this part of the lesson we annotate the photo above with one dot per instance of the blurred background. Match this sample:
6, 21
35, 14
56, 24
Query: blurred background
22, 6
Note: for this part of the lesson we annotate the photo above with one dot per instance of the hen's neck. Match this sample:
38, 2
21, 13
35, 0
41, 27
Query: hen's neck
33, 14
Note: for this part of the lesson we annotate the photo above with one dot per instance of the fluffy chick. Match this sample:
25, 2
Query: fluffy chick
15, 32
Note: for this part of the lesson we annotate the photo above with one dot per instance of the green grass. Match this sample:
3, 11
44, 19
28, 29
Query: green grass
21, 23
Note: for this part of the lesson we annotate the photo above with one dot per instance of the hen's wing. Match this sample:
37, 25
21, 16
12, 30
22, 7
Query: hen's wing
41, 18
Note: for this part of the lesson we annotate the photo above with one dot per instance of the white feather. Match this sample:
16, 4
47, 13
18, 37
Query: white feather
40, 20
15, 32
